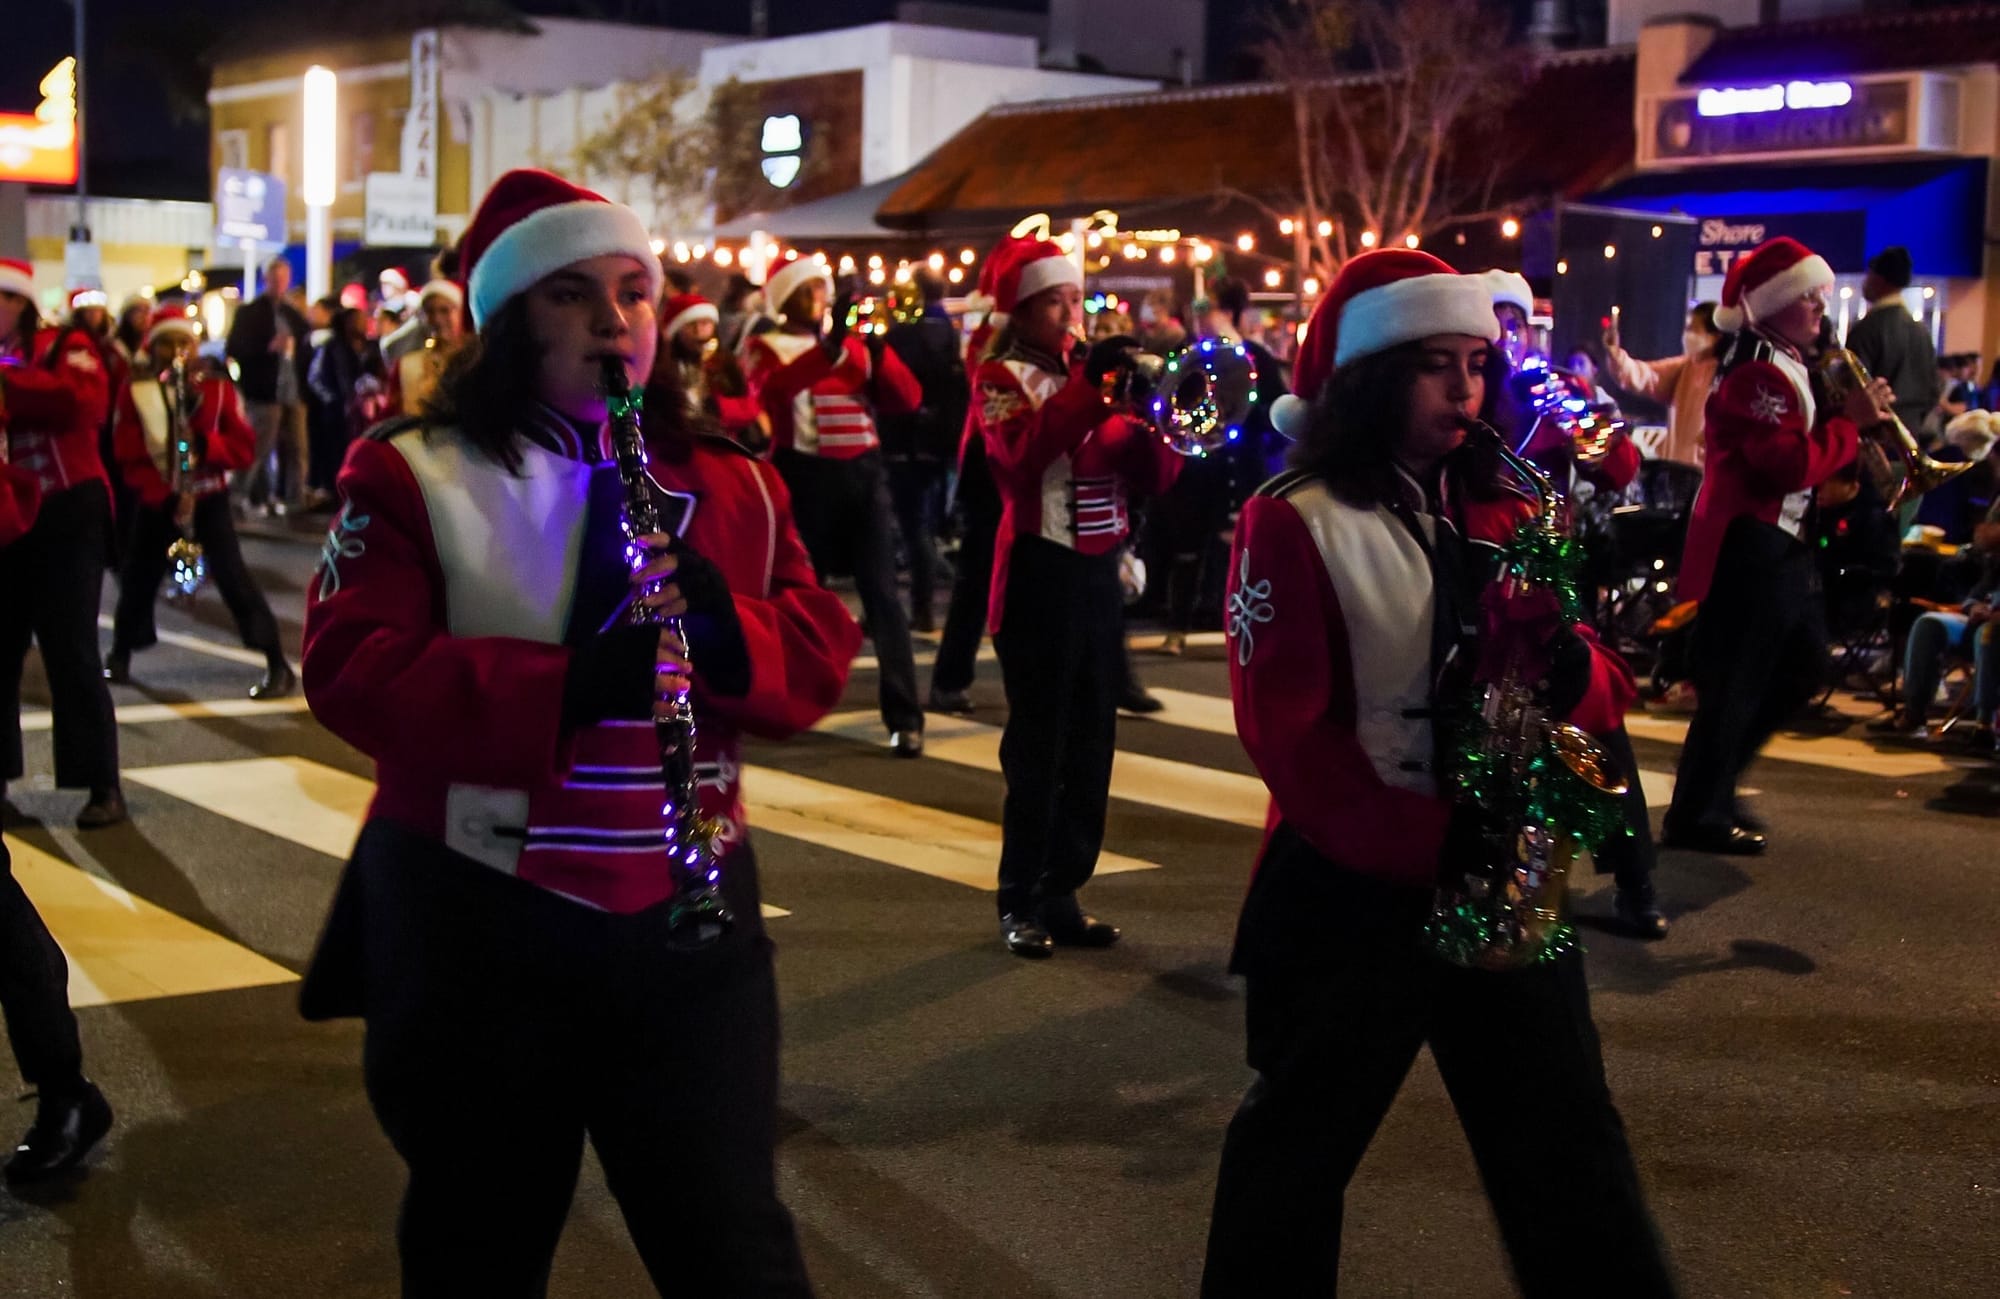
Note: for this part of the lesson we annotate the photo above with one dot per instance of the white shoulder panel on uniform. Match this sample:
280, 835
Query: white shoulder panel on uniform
1382, 579
508, 544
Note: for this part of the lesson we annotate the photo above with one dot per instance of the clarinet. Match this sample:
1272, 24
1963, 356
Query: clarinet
188, 567
698, 914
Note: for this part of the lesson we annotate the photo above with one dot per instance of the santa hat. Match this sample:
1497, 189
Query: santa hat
1024, 266
394, 283
1510, 289
170, 319
1381, 300
532, 224
81, 298
685, 309
1973, 432
981, 297
17, 276
442, 289
790, 278
1777, 272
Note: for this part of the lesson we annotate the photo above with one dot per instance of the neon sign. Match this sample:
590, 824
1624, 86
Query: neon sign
40, 147
1735, 101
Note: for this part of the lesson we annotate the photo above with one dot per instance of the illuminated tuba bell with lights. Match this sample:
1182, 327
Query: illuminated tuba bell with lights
1196, 399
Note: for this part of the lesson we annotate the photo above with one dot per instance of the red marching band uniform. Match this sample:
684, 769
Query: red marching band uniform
818, 404
222, 435
1760, 634
20, 497
480, 694
1065, 463
54, 395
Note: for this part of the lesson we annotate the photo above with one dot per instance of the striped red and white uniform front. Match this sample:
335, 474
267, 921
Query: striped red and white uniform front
819, 405
439, 636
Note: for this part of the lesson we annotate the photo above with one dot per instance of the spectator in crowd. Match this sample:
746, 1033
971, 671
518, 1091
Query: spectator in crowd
1680, 383
268, 340
1890, 342
1160, 329
919, 445
1990, 394
742, 305
348, 388
1966, 630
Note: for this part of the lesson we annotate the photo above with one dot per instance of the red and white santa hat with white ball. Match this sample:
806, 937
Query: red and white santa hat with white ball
1777, 273
1380, 300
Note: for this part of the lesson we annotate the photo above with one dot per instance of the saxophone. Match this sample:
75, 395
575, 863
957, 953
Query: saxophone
1904, 472
698, 915
1545, 786
187, 569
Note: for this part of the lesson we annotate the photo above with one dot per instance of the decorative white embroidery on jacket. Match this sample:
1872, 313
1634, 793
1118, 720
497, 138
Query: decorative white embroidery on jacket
1769, 407
343, 541
1248, 606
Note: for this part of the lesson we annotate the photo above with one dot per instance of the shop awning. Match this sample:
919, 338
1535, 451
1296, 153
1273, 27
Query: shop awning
1846, 212
848, 216
1163, 158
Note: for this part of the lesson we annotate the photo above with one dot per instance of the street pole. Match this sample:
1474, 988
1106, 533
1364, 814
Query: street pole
79, 233
320, 107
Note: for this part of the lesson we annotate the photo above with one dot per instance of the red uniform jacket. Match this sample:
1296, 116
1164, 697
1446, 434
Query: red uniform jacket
1062, 459
1330, 628
223, 438
20, 497
1766, 447
54, 407
438, 637
819, 406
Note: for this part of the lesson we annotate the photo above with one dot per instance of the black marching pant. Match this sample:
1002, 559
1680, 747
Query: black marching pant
34, 993
842, 509
1630, 860
916, 488
972, 581
505, 1025
1192, 514
1059, 651
1333, 1030
51, 581
1759, 655
153, 531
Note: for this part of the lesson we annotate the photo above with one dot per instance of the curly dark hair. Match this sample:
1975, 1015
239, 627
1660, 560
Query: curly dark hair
486, 383
1351, 437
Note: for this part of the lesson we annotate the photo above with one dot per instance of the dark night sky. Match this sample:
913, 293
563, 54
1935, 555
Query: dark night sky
142, 63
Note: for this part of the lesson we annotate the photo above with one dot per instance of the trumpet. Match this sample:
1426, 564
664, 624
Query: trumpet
1908, 472
187, 566
1546, 786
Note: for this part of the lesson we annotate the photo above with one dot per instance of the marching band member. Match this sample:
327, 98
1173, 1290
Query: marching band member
222, 441
71, 1115
1064, 461
503, 925
53, 398
1760, 635
816, 382
1524, 401
709, 382
1349, 604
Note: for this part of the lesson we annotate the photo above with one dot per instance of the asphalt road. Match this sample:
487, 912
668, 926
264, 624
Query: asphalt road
1808, 1066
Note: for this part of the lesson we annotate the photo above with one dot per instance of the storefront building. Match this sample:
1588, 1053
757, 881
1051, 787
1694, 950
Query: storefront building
1851, 133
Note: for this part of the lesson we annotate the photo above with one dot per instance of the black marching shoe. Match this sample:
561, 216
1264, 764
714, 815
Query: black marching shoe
956, 703
907, 744
1136, 700
1025, 936
118, 668
66, 1128
279, 680
1730, 841
1640, 913
105, 808
1066, 923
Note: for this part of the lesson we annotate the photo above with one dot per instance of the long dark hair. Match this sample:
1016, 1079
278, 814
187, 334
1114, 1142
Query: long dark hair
1357, 420
670, 429
488, 380
29, 324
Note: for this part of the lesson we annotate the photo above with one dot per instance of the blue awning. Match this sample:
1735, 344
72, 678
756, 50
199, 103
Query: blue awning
1846, 212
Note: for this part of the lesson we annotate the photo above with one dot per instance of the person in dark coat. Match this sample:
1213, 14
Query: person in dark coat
919, 445
1891, 343
268, 342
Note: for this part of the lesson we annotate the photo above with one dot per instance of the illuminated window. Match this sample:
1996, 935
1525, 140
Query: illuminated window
783, 142
278, 150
